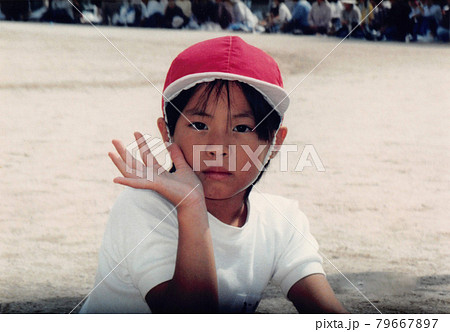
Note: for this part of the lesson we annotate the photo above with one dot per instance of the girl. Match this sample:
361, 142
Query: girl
195, 239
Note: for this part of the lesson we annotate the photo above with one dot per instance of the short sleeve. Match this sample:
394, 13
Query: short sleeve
299, 255
146, 227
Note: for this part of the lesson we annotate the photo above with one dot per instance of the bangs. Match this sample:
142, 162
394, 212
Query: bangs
212, 91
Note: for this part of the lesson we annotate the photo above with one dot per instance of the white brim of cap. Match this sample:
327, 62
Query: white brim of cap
275, 95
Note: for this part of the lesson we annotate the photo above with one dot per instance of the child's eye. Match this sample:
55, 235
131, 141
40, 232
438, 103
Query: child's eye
242, 129
198, 125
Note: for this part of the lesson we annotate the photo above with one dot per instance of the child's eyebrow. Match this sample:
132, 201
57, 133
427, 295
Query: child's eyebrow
197, 112
246, 114
193, 111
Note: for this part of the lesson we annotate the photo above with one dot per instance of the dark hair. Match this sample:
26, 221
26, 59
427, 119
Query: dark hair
261, 110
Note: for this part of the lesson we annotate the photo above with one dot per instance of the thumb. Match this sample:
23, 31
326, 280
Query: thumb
177, 156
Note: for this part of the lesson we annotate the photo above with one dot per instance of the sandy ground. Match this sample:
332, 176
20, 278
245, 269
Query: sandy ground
376, 113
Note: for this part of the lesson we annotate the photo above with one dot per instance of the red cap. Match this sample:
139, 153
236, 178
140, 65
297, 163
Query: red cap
228, 58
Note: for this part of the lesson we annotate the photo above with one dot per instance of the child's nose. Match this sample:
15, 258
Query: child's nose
219, 143
216, 150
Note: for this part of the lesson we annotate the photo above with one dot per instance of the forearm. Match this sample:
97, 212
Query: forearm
313, 294
195, 269
193, 287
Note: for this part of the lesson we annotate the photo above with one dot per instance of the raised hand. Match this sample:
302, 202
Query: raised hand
182, 188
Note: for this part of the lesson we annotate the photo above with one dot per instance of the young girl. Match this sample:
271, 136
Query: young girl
198, 238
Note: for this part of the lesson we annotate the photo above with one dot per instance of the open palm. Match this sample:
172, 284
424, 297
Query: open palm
181, 188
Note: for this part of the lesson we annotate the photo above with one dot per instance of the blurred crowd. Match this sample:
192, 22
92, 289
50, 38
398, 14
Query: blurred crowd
398, 20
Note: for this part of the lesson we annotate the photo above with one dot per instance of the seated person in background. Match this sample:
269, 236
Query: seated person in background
336, 10
319, 17
366, 9
299, 21
152, 13
91, 13
174, 17
137, 7
278, 17
204, 11
126, 15
431, 14
109, 8
225, 14
37, 9
244, 18
443, 29
397, 24
367, 15
416, 18
15, 10
424, 19
185, 6
61, 11
350, 18
380, 13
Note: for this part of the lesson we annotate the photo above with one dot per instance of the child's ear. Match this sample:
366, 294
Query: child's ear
163, 129
281, 135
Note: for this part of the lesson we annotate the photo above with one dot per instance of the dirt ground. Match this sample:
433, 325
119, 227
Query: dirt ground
377, 115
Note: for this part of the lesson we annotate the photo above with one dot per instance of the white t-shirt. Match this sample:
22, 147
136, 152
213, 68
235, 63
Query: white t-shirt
142, 235
153, 7
244, 15
185, 6
284, 14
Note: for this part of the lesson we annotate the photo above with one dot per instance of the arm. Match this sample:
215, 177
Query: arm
313, 294
193, 287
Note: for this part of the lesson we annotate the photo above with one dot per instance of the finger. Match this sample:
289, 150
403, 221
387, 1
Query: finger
177, 156
134, 183
126, 156
144, 150
120, 148
124, 169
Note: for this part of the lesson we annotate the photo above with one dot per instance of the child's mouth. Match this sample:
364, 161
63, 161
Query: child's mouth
216, 173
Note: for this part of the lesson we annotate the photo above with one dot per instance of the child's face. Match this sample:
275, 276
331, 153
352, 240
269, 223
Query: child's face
226, 126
